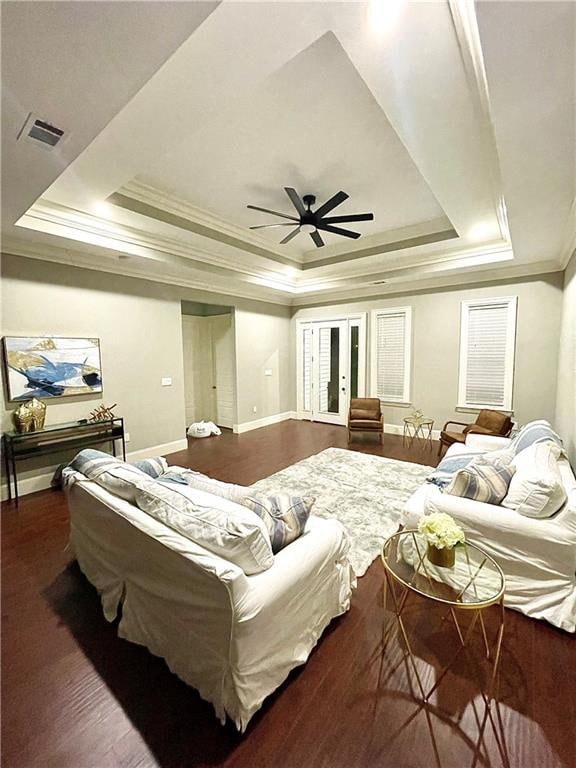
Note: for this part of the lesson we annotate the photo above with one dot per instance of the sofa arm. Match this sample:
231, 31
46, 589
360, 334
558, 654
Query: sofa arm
481, 442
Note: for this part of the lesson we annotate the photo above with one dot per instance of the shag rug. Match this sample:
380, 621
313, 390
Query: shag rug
366, 493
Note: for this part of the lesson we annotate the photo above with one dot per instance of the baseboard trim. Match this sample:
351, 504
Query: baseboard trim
391, 429
276, 418
42, 482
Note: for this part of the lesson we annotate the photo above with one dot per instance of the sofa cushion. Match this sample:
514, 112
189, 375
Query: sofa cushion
115, 475
153, 467
534, 432
219, 525
366, 424
204, 483
364, 413
536, 490
483, 480
283, 514
449, 465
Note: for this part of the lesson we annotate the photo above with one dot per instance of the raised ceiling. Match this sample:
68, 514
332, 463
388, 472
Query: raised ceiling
424, 113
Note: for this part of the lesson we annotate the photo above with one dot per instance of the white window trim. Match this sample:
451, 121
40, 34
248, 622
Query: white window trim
512, 302
406, 398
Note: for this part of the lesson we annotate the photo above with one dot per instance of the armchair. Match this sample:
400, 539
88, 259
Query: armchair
487, 423
365, 415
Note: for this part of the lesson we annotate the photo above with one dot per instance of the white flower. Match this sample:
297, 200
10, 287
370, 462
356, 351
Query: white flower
441, 530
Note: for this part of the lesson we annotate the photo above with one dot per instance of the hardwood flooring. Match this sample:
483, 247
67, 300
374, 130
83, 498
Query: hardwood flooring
75, 696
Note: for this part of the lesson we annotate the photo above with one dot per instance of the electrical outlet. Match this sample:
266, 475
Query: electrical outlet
166, 381
254, 410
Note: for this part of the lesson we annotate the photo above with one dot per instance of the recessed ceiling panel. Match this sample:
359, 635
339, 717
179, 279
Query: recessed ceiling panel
313, 125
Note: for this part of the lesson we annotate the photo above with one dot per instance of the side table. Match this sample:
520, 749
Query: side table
418, 427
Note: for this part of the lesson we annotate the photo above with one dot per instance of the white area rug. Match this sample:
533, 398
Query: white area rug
366, 493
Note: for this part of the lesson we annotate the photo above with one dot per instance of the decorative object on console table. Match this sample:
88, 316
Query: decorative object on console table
23, 419
38, 410
47, 367
19, 446
102, 413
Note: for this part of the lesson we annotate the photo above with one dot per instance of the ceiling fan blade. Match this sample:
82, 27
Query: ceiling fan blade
351, 217
290, 235
317, 239
296, 202
338, 198
267, 226
338, 230
274, 213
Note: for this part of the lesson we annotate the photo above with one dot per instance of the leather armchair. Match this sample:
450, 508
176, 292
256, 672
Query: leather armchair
488, 423
365, 415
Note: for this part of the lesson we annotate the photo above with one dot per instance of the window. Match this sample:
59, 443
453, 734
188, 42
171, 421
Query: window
391, 352
487, 341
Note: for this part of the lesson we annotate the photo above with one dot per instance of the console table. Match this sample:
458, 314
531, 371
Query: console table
55, 438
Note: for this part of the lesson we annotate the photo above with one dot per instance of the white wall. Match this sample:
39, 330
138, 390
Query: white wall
566, 394
140, 332
264, 342
436, 337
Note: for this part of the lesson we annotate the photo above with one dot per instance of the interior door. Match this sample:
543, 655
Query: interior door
223, 369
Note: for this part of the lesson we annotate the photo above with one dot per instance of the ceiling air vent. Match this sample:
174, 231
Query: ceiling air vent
41, 132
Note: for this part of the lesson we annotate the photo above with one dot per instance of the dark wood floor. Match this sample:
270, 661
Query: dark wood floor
75, 695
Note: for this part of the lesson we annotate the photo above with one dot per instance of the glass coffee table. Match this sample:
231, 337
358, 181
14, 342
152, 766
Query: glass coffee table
474, 583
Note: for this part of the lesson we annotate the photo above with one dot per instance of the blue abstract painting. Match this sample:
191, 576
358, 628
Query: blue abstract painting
51, 367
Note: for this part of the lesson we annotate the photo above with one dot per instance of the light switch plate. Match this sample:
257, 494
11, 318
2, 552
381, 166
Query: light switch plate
166, 381
268, 372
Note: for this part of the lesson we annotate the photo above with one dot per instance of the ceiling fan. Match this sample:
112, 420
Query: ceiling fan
311, 221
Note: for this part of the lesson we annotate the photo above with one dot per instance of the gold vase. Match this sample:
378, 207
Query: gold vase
38, 410
23, 419
444, 558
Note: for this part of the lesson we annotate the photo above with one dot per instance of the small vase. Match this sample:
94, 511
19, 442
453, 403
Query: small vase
38, 410
23, 419
444, 558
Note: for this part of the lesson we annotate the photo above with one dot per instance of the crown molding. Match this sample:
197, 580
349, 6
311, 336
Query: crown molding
468, 35
139, 197
80, 260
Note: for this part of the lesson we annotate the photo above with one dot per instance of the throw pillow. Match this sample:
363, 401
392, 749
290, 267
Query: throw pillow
115, 475
284, 516
534, 432
448, 467
484, 481
222, 527
153, 467
536, 490
202, 482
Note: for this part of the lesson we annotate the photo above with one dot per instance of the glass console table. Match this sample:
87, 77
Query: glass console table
55, 438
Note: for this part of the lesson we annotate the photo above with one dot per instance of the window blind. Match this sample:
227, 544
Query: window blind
487, 345
392, 355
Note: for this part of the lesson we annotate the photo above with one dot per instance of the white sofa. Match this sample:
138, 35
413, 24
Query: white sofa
537, 556
233, 637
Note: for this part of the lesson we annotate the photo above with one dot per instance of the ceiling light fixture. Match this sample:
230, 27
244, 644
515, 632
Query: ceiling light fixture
308, 228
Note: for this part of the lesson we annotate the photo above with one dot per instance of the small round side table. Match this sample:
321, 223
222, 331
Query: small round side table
474, 583
418, 427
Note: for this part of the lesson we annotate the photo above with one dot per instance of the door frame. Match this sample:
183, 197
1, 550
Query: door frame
351, 318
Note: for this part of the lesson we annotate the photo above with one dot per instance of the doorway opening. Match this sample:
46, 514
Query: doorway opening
331, 367
209, 363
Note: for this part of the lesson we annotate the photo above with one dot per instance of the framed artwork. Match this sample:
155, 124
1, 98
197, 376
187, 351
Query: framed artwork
55, 366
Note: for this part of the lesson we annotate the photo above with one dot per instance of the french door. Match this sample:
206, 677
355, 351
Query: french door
331, 367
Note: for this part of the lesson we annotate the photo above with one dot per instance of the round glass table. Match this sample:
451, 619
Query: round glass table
474, 583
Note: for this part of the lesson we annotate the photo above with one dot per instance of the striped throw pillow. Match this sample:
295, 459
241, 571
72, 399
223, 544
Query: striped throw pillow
153, 467
534, 432
483, 481
284, 516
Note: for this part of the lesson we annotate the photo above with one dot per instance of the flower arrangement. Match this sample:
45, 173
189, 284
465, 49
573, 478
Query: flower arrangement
441, 530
